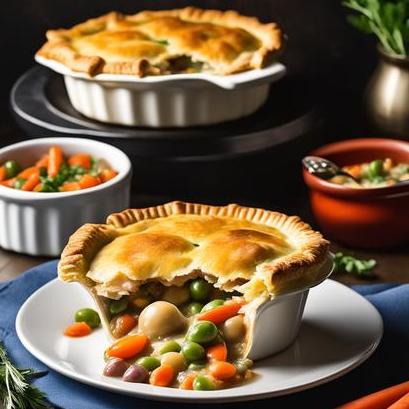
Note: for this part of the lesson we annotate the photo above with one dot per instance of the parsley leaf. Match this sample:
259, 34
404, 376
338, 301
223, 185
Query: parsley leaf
387, 20
352, 265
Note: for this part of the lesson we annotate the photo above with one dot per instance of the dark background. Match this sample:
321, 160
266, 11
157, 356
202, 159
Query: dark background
333, 60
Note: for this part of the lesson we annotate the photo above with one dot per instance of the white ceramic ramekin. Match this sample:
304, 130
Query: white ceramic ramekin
276, 323
40, 223
177, 100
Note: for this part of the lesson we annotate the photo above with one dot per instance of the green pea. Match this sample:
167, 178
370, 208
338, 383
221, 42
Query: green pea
149, 362
212, 304
202, 383
197, 366
242, 365
199, 289
89, 316
375, 168
193, 308
193, 351
12, 168
202, 332
18, 184
117, 306
170, 346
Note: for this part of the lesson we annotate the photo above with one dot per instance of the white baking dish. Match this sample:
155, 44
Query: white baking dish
40, 223
276, 323
177, 100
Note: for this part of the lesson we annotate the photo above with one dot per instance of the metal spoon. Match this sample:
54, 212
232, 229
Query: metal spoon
324, 168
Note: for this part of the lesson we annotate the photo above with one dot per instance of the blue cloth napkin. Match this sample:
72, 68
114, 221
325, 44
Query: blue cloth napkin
389, 364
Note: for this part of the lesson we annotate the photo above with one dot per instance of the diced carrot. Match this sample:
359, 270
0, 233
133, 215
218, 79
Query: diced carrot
3, 173
80, 159
89, 181
55, 160
69, 186
222, 370
354, 170
221, 313
38, 187
31, 182
187, 382
8, 182
217, 352
128, 347
26, 173
42, 162
402, 403
107, 174
379, 400
78, 329
123, 324
162, 376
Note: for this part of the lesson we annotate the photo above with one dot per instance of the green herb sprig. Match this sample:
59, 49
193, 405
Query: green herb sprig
388, 20
15, 390
352, 265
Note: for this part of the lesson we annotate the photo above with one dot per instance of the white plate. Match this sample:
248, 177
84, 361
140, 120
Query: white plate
340, 330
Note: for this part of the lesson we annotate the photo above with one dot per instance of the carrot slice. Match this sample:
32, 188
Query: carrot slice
217, 352
402, 403
379, 400
26, 173
70, 186
8, 182
80, 159
222, 370
221, 313
78, 329
31, 182
38, 187
187, 382
89, 181
128, 347
162, 376
3, 173
55, 160
42, 162
107, 174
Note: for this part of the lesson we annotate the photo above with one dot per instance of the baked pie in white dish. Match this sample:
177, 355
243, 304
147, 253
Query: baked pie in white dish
173, 269
214, 49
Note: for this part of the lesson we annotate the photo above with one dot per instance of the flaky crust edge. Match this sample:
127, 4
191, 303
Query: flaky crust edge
58, 45
311, 248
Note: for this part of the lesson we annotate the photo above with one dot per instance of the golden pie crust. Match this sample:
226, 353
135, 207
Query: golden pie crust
149, 42
254, 251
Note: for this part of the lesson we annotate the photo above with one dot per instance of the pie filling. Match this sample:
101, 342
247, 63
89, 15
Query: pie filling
196, 332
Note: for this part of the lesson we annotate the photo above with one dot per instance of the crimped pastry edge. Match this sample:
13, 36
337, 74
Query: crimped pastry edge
58, 45
311, 248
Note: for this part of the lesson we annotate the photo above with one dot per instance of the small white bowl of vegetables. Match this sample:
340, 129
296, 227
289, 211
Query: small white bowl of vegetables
51, 186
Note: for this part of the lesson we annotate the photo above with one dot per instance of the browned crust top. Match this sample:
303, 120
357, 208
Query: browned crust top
311, 249
59, 44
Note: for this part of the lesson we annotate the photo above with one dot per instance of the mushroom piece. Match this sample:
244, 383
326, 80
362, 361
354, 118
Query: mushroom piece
161, 319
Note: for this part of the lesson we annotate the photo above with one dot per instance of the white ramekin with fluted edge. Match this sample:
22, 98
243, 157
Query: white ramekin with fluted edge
176, 100
41, 223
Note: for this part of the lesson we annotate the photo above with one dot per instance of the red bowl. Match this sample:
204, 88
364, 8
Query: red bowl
366, 218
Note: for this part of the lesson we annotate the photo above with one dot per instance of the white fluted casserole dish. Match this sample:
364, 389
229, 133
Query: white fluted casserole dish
176, 100
38, 223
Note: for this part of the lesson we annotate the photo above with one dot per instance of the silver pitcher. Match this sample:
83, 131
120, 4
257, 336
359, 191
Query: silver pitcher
387, 96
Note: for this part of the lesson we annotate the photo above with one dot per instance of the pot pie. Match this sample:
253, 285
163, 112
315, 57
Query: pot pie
165, 42
177, 286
